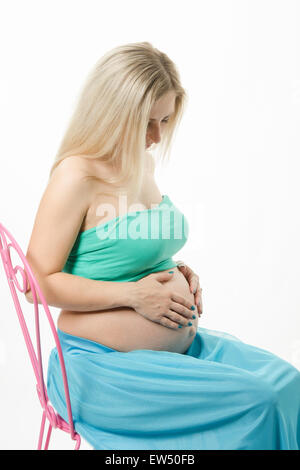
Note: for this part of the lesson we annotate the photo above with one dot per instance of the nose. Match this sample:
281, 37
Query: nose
154, 133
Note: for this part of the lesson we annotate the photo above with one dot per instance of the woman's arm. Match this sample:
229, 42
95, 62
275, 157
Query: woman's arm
62, 209
71, 292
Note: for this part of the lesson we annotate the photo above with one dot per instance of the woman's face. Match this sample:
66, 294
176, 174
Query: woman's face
160, 112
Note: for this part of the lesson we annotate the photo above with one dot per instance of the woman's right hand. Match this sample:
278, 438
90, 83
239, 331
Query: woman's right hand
158, 303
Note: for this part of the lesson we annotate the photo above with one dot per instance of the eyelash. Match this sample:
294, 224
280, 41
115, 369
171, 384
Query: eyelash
164, 120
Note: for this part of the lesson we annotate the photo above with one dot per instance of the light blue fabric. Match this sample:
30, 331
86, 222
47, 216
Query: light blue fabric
221, 394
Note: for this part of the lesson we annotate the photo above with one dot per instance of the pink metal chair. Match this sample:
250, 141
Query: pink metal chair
7, 242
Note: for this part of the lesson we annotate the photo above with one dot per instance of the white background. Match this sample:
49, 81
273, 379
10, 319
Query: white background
234, 169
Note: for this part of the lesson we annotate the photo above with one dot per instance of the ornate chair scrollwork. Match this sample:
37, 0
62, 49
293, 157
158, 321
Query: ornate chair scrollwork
7, 244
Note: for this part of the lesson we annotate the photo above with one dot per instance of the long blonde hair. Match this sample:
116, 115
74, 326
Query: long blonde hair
112, 112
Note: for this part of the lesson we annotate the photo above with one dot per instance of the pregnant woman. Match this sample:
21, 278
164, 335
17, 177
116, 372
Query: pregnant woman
142, 373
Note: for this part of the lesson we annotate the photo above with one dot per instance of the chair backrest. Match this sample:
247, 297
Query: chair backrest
7, 243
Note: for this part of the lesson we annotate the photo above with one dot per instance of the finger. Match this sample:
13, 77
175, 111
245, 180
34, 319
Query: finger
198, 300
181, 267
199, 307
197, 295
194, 284
200, 304
180, 263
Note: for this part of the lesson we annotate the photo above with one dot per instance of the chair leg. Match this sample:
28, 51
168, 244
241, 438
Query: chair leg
42, 431
48, 437
41, 435
78, 442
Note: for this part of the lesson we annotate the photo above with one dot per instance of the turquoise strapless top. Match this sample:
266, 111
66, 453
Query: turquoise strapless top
130, 246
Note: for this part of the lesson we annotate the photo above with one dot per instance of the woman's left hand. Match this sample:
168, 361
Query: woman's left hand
193, 280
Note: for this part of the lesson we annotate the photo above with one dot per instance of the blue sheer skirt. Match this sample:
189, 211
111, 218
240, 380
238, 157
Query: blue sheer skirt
221, 394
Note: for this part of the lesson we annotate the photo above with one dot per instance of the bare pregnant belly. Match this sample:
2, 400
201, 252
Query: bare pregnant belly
124, 329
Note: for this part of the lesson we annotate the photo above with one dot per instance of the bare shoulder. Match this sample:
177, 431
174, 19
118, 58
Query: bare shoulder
75, 166
76, 171
60, 214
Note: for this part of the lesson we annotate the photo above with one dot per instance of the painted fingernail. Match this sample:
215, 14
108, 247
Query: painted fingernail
193, 307
190, 323
179, 326
194, 316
